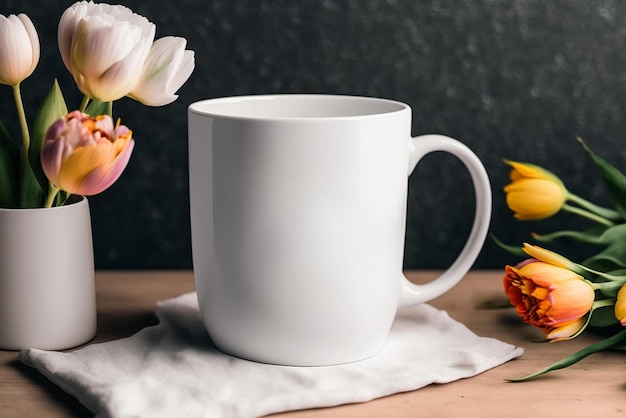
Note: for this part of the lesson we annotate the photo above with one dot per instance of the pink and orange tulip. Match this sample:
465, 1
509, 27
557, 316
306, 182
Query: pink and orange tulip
550, 297
85, 155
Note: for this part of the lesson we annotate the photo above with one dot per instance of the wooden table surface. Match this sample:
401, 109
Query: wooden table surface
595, 387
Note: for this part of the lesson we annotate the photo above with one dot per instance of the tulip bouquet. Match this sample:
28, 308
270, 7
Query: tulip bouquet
553, 293
111, 53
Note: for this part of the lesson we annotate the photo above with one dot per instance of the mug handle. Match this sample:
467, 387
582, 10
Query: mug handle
418, 147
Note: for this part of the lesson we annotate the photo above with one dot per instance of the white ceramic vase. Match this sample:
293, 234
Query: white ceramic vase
47, 277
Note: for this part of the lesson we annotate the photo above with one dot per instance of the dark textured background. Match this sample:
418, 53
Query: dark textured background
510, 78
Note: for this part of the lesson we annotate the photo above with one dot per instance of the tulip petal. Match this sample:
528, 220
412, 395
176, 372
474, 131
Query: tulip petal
550, 257
32, 36
67, 26
184, 71
570, 300
545, 274
568, 330
526, 170
107, 63
51, 157
166, 69
103, 177
81, 162
95, 38
123, 76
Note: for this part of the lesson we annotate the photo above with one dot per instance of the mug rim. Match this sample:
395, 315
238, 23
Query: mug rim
327, 107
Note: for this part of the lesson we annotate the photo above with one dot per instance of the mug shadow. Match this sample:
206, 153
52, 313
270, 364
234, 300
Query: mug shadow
69, 405
111, 326
115, 325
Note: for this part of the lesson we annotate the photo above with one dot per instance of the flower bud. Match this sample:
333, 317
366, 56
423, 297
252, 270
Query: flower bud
84, 155
534, 193
19, 49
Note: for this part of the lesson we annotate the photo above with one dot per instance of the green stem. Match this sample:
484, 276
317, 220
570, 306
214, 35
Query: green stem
21, 114
24, 161
614, 284
606, 213
52, 194
589, 215
84, 103
602, 303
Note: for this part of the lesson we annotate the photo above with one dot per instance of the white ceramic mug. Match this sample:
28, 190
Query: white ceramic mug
298, 213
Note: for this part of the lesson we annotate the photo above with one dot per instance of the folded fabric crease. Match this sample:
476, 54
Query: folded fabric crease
173, 368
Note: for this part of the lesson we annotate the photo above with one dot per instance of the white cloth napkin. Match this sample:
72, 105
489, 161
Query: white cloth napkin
173, 369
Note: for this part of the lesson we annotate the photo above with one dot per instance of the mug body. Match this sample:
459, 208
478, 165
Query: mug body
298, 207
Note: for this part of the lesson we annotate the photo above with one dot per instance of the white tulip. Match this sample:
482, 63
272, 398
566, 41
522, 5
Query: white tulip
166, 69
104, 47
19, 49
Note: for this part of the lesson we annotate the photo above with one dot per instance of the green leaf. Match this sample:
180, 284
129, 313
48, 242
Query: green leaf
611, 257
621, 346
600, 264
51, 109
9, 169
96, 108
32, 195
576, 357
612, 234
614, 180
61, 198
614, 255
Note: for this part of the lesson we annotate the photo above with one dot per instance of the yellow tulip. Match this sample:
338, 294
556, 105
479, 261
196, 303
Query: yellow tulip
534, 193
620, 306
